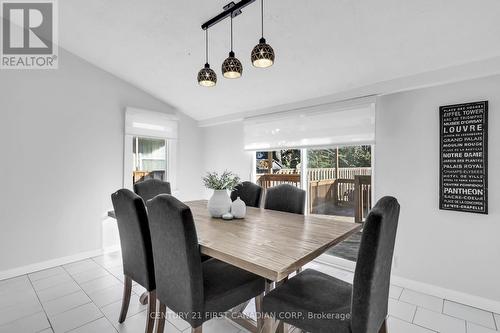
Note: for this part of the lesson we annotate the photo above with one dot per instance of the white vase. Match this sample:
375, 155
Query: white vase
219, 204
238, 208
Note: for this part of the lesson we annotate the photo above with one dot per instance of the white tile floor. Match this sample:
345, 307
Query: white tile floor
85, 297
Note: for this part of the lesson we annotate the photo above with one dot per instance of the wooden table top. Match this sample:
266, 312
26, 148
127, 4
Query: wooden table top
268, 243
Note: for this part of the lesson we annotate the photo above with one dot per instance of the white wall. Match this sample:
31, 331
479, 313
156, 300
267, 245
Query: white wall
62, 156
223, 149
450, 250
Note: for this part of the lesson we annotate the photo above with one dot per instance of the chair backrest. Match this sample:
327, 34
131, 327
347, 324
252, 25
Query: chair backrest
179, 277
286, 198
150, 188
249, 192
135, 238
373, 268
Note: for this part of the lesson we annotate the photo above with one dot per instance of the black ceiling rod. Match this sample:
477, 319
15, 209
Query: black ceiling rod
230, 9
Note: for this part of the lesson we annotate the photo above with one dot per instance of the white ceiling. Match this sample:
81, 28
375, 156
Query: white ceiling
322, 47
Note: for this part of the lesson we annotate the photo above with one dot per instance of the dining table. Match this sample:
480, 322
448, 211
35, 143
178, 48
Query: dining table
268, 243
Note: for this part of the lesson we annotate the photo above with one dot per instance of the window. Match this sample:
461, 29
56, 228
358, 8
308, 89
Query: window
278, 167
150, 147
150, 158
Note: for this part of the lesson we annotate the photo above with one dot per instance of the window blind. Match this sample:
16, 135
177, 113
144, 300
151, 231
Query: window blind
141, 122
351, 123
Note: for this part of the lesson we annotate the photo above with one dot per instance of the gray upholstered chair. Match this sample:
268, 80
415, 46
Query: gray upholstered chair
249, 192
190, 288
150, 188
357, 308
286, 198
137, 253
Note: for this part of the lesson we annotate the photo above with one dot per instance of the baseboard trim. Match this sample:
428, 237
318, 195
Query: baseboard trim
425, 288
110, 249
449, 294
336, 262
7, 274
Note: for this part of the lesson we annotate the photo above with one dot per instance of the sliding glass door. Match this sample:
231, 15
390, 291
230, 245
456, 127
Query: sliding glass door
337, 180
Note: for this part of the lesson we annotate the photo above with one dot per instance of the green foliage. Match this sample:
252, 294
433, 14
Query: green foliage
321, 158
288, 158
349, 157
226, 181
355, 156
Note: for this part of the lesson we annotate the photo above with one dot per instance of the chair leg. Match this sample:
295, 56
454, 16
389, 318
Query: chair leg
150, 321
281, 327
143, 299
258, 312
270, 325
127, 291
383, 328
197, 329
160, 318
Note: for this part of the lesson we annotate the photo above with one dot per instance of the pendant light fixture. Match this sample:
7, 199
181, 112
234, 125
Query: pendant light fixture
262, 54
206, 75
231, 67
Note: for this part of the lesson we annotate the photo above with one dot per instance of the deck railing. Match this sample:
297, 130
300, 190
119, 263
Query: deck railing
362, 197
352, 189
270, 180
139, 176
330, 173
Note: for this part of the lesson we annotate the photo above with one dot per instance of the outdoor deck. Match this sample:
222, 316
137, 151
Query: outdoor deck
345, 194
